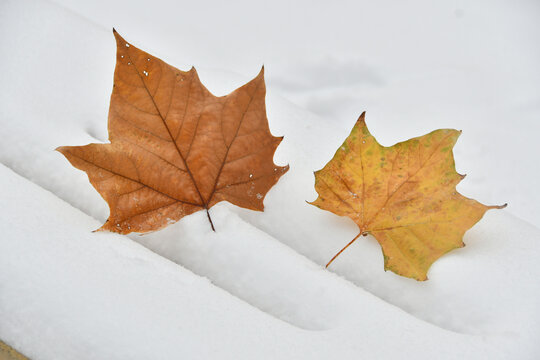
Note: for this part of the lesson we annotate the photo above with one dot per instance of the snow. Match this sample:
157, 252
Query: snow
414, 66
76, 294
257, 287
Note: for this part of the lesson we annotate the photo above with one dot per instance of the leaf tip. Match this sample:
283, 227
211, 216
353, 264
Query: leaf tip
261, 73
361, 122
120, 41
62, 150
362, 117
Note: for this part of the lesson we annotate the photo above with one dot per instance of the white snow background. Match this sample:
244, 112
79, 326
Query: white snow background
257, 287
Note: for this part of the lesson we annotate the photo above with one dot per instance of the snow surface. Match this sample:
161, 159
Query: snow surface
415, 66
254, 289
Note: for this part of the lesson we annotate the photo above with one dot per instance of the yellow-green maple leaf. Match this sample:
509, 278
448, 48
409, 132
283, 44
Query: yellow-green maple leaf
404, 195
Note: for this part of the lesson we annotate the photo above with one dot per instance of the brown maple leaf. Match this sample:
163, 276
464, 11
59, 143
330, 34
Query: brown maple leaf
175, 148
404, 195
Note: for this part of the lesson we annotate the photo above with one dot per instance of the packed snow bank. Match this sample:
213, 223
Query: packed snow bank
105, 296
68, 293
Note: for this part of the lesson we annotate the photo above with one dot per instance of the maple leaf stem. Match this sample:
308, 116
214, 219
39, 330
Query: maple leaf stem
210, 219
346, 246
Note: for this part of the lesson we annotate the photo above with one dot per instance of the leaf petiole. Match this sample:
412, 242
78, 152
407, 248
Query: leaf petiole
346, 246
210, 219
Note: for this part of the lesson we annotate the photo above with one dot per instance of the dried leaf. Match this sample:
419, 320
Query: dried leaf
404, 195
175, 148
